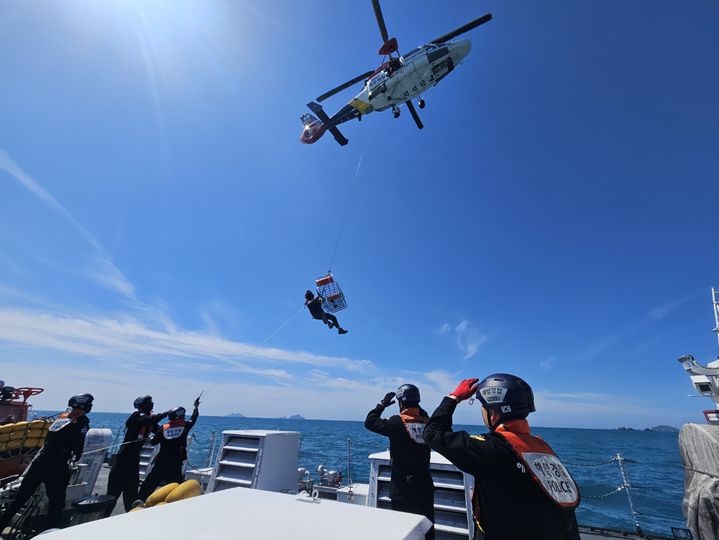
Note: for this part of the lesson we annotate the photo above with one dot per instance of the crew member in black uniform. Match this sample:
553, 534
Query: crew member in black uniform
522, 489
411, 488
125, 473
314, 304
172, 439
65, 442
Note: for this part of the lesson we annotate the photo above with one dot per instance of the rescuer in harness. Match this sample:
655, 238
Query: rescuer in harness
125, 473
522, 489
65, 442
411, 487
314, 304
172, 439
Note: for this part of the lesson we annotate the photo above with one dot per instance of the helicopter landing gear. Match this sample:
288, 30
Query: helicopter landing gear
395, 111
421, 103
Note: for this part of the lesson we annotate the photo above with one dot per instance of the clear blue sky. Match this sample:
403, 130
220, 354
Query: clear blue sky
556, 218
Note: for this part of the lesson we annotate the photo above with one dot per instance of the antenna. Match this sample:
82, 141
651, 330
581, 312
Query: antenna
715, 302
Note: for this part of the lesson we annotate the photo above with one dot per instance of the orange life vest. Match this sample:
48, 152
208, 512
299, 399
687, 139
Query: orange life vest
541, 462
173, 429
414, 422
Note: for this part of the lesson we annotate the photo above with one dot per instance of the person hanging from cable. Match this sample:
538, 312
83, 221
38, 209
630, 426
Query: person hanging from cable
65, 442
172, 439
314, 304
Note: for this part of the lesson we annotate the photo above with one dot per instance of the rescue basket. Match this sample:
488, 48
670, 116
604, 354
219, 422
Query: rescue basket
333, 299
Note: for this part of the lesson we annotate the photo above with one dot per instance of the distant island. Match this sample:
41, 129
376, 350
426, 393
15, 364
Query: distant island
663, 429
293, 417
668, 429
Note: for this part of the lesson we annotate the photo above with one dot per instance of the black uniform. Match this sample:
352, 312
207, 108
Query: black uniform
125, 473
511, 506
167, 467
315, 307
51, 467
411, 488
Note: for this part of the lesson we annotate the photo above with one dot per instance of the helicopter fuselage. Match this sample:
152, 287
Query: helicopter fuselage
405, 78
396, 81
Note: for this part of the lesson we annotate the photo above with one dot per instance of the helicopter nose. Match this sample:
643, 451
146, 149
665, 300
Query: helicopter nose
460, 50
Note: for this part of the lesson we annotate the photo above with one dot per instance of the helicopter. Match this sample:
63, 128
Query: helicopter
399, 79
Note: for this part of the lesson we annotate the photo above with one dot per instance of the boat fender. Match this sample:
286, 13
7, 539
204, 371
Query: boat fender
19, 426
160, 494
186, 490
135, 509
11, 445
7, 428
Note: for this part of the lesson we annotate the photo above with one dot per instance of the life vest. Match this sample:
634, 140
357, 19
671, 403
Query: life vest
62, 420
173, 429
544, 467
414, 422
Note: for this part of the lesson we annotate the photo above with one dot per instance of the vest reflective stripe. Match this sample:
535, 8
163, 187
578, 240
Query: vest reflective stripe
545, 468
414, 423
173, 429
61, 421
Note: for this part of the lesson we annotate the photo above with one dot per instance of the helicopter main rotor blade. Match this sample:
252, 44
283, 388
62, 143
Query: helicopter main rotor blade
341, 87
380, 20
414, 114
462, 29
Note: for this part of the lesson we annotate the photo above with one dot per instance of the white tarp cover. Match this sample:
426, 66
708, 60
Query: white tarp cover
699, 448
242, 513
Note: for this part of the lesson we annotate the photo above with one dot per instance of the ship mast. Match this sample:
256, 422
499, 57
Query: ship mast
706, 378
715, 301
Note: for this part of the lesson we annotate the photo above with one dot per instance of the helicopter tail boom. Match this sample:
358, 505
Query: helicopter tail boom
327, 123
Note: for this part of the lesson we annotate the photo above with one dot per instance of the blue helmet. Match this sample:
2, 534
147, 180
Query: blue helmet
407, 393
83, 402
143, 403
177, 413
508, 395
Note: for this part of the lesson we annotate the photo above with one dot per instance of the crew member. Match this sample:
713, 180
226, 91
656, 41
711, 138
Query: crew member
172, 439
65, 442
522, 489
125, 473
411, 488
314, 304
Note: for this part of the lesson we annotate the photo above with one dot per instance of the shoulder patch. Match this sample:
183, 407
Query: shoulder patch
479, 437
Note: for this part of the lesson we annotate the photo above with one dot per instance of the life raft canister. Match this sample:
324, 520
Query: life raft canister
544, 466
173, 429
414, 423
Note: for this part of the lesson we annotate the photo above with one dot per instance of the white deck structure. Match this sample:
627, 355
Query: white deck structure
250, 513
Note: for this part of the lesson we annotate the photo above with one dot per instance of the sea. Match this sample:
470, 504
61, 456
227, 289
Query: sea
652, 464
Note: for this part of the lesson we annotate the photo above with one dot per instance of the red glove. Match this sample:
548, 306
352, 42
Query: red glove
465, 389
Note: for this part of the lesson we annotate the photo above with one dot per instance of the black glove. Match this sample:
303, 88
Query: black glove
388, 400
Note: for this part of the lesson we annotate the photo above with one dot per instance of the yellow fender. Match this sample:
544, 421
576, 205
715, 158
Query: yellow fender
34, 442
36, 433
135, 509
186, 490
20, 426
40, 424
7, 428
11, 445
4, 437
160, 494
